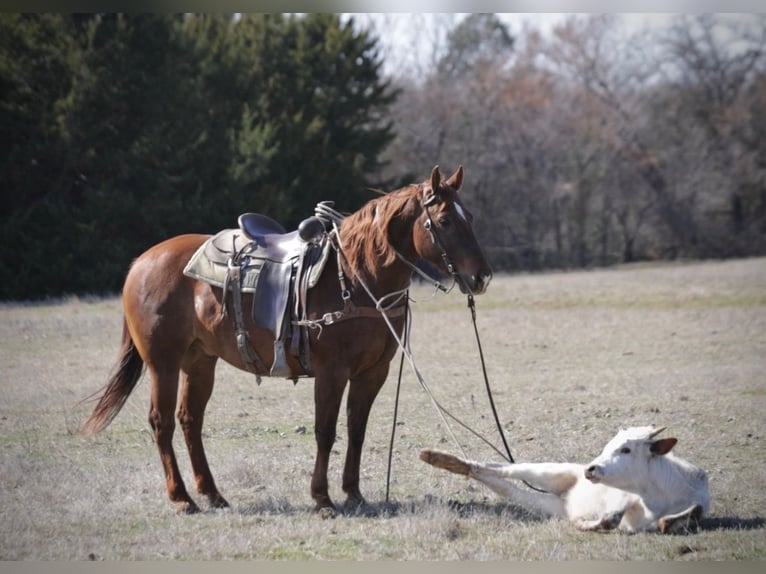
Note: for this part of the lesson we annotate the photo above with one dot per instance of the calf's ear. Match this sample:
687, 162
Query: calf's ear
663, 445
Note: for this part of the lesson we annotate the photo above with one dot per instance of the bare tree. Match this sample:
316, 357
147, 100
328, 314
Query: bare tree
593, 145
716, 66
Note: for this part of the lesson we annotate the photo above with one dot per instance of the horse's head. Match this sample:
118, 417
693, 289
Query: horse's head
445, 237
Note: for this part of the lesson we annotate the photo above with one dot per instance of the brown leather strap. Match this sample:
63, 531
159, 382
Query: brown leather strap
352, 311
247, 352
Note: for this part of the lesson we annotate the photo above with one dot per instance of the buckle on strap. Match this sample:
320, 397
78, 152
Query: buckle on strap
331, 317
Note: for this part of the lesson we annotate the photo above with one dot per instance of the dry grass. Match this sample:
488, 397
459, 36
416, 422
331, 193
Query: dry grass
571, 357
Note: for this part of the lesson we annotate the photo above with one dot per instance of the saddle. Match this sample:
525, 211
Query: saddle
278, 268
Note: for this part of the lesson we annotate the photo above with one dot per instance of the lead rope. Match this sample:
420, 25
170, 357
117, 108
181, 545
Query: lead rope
396, 400
379, 305
404, 345
472, 307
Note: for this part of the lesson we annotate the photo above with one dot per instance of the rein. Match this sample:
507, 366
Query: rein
472, 306
395, 309
404, 346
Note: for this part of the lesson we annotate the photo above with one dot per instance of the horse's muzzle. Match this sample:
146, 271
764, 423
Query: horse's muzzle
475, 284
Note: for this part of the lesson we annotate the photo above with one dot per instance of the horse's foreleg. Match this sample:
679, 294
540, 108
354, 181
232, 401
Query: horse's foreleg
198, 380
328, 393
161, 418
361, 395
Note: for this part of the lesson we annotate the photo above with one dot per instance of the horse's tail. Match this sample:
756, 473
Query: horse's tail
126, 374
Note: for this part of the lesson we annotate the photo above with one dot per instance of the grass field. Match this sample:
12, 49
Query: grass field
571, 358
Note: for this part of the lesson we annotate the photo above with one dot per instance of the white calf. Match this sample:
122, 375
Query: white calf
635, 484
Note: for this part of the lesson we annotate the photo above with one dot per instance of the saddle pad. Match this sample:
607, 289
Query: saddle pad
210, 262
274, 266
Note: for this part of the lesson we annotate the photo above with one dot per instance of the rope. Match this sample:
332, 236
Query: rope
405, 351
325, 212
407, 324
472, 307
332, 218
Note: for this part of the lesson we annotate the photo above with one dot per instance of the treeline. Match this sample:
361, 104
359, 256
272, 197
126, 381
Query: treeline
587, 146
595, 145
121, 131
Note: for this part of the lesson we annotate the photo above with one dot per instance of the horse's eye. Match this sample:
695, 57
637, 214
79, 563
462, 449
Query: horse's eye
625, 450
444, 221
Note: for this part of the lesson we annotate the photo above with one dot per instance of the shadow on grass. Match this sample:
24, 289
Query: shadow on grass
706, 524
732, 523
465, 509
271, 506
382, 509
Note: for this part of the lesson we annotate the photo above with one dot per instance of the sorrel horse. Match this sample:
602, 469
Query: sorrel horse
174, 323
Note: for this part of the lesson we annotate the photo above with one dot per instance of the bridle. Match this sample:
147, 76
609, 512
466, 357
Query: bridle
457, 278
380, 307
437, 241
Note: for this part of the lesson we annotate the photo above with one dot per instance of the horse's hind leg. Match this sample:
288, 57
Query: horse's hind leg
198, 379
161, 418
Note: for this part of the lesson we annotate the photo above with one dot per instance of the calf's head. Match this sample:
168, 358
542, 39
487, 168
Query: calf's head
625, 462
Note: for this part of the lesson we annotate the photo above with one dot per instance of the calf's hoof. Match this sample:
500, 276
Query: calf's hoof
681, 524
446, 461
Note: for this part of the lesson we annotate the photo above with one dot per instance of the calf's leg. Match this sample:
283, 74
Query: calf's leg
496, 476
554, 477
686, 520
607, 522
543, 503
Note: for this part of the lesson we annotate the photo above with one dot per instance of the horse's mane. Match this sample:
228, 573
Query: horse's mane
365, 233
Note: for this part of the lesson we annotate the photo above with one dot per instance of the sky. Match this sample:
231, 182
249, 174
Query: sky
408, 38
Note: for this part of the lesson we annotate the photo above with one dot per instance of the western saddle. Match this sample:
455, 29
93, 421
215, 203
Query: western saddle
278, 268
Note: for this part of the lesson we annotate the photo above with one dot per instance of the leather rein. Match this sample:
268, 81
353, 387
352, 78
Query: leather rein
456, 277
396, 309
400, 306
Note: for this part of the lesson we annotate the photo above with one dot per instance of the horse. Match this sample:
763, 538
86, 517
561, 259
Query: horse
175, 324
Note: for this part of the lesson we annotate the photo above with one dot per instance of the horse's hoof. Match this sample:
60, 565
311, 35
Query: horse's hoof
187, 507
218, 501
327, 512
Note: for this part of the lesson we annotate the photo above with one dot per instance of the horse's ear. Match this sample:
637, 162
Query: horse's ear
456, 179
436, 179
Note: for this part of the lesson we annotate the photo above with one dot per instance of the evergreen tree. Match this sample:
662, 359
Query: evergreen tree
124, 130
315, 123
37, 55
